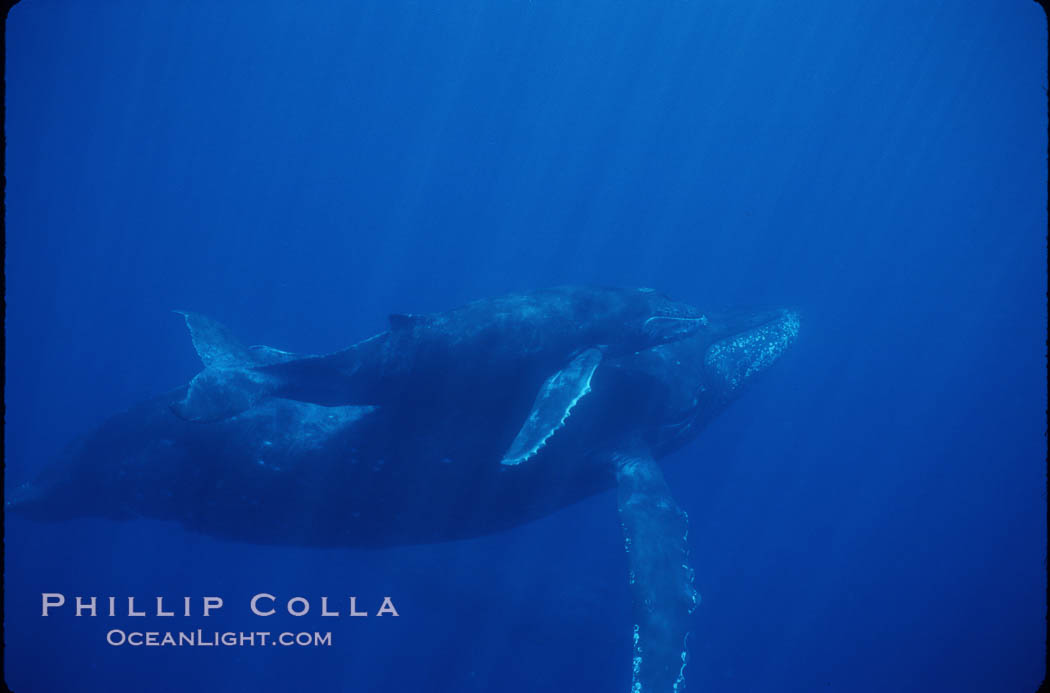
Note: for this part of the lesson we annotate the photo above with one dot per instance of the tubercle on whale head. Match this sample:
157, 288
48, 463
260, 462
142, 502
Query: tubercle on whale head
748, 343
699, 376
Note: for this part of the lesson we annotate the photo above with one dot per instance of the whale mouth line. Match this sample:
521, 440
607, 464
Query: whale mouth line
702, 319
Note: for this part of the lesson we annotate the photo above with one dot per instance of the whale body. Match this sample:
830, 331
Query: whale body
420, 469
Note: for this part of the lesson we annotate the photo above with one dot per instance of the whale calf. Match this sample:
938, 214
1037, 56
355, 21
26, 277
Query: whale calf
542, 344
415, 470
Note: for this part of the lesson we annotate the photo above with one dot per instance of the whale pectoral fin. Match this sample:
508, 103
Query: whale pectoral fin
219, 393
655, 531
555, 401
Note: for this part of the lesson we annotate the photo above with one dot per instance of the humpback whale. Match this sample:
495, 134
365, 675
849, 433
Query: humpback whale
591, 412
543, 345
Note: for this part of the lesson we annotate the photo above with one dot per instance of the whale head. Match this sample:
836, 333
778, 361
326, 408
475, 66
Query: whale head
745, 344
676, 388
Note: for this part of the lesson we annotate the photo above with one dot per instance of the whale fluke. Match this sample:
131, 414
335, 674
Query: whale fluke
267, 355
215, 344
228, 384
219, 393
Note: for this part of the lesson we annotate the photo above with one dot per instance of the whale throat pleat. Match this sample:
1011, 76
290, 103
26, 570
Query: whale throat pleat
553, 404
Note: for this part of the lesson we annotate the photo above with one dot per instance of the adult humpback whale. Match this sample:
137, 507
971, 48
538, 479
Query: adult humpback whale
292, 472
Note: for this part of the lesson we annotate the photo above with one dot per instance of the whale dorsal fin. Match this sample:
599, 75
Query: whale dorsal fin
553, 404
404, 321
215, 344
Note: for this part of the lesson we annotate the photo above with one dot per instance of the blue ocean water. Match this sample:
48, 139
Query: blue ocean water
871, 517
